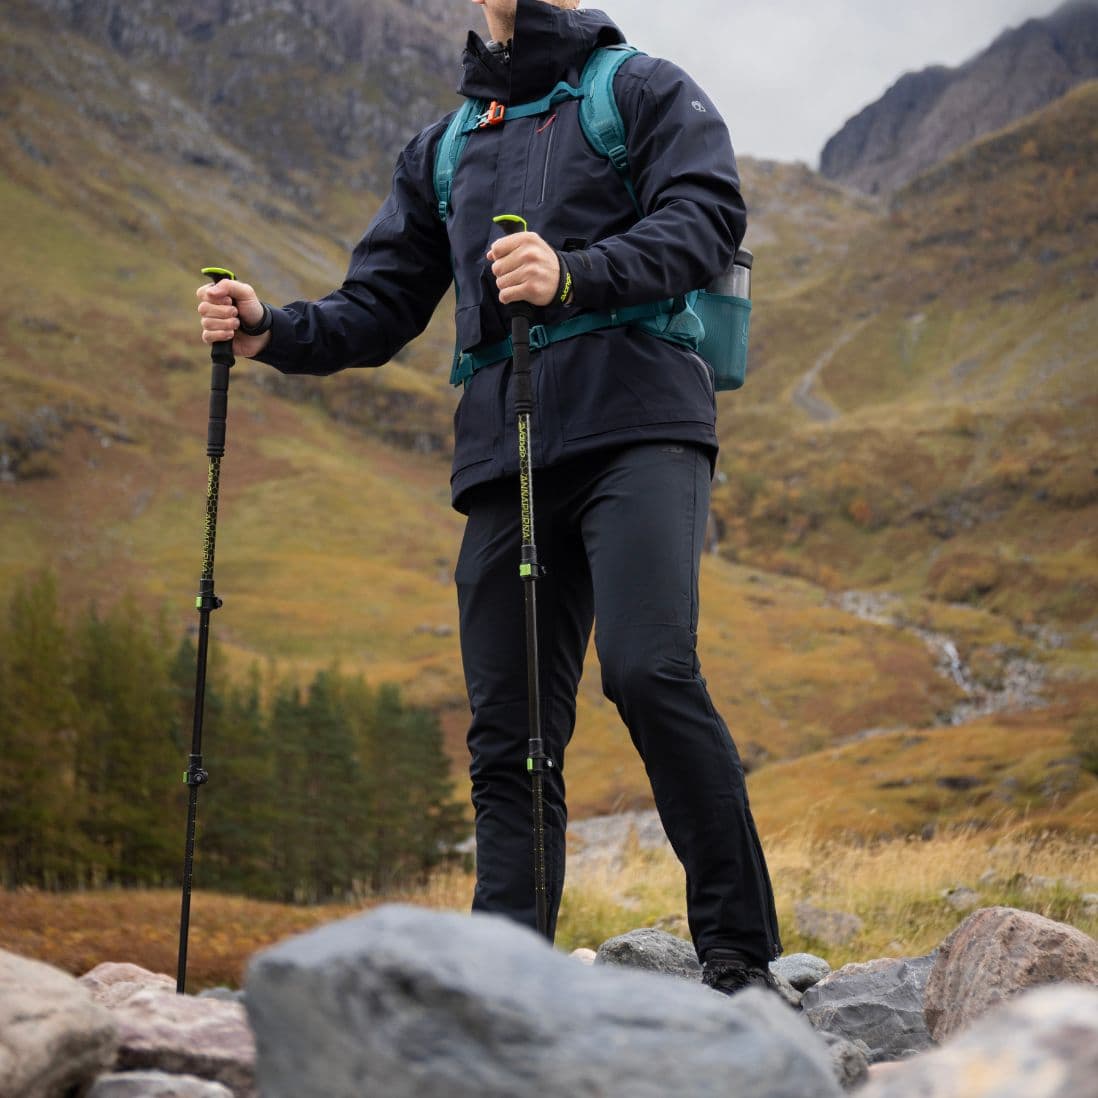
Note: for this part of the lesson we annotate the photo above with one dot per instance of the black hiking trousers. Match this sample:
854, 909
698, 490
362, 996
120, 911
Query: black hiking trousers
619, 536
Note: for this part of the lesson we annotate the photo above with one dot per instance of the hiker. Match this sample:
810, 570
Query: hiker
624, 449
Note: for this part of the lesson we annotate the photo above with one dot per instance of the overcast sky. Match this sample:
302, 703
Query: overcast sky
786, 74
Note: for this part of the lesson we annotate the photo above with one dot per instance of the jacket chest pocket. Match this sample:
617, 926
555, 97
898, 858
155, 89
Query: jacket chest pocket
539, 159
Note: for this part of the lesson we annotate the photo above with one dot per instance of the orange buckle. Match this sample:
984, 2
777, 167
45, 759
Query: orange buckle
493, 116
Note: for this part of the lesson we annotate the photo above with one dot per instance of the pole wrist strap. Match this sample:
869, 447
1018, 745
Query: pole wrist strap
264, 325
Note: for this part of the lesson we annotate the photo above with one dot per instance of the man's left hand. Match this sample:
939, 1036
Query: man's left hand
525, 268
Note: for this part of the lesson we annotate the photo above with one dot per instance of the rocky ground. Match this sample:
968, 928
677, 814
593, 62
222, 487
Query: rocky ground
406, 1001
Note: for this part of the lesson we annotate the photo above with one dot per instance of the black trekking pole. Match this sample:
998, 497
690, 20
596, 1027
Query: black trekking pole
537, 762
221, 357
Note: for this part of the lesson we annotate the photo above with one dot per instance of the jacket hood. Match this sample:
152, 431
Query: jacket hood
548, 43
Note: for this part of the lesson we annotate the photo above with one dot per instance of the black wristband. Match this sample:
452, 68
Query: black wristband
564, 286
264, 325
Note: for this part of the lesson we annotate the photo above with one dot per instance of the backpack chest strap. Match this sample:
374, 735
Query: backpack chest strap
496, 113
476, 114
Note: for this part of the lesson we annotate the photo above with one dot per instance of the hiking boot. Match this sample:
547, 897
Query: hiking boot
730, 976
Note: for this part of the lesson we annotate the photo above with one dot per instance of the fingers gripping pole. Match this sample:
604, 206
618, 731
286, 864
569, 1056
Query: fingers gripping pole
537, 762
195, 776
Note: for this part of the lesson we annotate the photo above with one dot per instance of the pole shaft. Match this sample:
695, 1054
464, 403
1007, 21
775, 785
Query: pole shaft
221, 361
185, 909
529, 570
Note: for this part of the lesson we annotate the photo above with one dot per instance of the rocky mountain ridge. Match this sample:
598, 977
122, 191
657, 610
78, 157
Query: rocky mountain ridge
927, 115
322, 89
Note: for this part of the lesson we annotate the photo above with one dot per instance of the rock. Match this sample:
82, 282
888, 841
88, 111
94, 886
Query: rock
802, 970
156, 1084
1042, 1044
408, 1002
961, 899
599, 844
53, 1038
879, 1002
180, 1034
788, 992
878, 1071
1090, 904
114, 982
584, 956
225, 994
848, 1061
997, 952
833, 928
653, 950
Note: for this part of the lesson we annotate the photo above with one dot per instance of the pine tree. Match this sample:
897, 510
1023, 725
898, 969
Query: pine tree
39, 844
126, 762
413, 820
290, 839
240, 831
333, 821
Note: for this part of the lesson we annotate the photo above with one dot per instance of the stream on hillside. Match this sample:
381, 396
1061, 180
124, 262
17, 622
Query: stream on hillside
1018, 686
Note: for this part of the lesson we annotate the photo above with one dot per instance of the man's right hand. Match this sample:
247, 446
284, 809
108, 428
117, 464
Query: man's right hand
222, 305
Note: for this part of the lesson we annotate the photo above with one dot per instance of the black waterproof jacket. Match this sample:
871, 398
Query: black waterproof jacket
598, 390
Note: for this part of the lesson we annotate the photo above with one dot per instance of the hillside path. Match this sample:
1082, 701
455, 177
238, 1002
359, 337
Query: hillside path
816, 407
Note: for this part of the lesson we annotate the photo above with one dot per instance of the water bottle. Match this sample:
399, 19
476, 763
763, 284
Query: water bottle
736, 281
725, 312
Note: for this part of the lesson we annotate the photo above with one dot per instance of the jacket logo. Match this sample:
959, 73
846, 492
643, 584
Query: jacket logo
698, 105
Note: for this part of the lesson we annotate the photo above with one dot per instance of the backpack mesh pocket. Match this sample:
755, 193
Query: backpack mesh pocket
727, 323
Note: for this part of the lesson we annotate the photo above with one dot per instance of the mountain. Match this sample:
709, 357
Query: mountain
314, 92
918, 421
927, 115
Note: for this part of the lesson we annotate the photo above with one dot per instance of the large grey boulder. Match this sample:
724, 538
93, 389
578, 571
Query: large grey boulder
1042, 1044
411, 1003
53, 1038
155, 1084
178, 1034
653, 950
878, 1002
994, 954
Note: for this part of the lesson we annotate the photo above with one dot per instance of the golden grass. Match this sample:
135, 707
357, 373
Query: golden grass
78, 930
897, 888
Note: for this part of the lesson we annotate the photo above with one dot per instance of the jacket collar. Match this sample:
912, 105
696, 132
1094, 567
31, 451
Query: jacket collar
549, 43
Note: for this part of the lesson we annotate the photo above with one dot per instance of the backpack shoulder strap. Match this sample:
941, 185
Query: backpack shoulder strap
450, 147
599, 114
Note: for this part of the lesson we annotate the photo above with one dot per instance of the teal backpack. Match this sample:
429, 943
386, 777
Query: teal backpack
713, 325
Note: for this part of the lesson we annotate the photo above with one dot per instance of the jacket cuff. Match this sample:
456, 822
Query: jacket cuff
586, 284
565, 287
278, 352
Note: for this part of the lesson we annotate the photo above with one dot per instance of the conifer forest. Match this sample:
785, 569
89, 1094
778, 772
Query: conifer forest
325, 792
